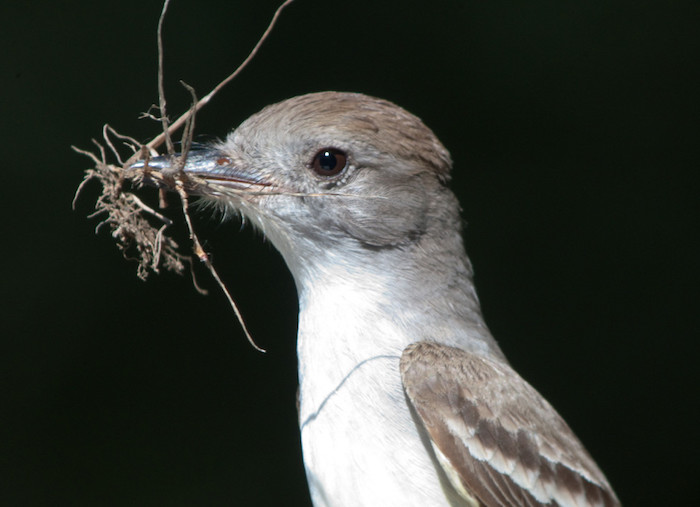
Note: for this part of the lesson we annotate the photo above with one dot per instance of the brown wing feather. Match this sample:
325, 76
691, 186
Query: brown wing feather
498, 439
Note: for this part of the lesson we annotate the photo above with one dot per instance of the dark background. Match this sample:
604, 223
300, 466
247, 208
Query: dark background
574, 129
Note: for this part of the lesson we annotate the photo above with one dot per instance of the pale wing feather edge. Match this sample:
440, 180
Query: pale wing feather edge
500, 441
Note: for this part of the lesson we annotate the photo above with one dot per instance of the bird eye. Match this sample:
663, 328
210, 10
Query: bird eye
329, 162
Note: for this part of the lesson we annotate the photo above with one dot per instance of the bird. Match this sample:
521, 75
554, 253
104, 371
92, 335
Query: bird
405, 398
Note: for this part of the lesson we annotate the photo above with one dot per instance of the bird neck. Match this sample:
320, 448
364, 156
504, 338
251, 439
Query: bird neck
356, 306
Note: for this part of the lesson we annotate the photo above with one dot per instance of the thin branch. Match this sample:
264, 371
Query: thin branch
79, 190
105, 136
129, 141
188, 131
199, 289
102, 150
165, 135
202, 255
87, 154
150, 210
161, 88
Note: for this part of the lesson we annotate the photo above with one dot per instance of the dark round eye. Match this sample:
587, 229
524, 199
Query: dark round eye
329, 162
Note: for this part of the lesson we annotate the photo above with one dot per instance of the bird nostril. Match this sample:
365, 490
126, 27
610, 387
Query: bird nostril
223, 161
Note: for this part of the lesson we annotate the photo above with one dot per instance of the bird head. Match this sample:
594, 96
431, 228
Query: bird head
329, 173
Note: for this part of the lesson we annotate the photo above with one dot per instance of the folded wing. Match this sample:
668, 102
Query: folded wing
498, 440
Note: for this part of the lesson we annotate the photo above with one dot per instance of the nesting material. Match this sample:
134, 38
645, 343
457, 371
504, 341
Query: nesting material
140, 231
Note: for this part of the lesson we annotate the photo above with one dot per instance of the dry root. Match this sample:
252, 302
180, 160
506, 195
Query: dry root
138, 229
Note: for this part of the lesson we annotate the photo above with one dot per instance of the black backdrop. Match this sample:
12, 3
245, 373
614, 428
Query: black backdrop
574, 130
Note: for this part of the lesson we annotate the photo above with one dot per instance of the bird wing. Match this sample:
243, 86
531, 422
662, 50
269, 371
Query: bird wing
497, 439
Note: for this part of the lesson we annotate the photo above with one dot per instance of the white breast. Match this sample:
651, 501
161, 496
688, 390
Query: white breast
360, 443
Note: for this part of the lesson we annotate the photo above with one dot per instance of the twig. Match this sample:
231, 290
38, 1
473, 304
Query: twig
105, 136
130, 142
161, 88
188, 131
202, 255
158, 140
150, 210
